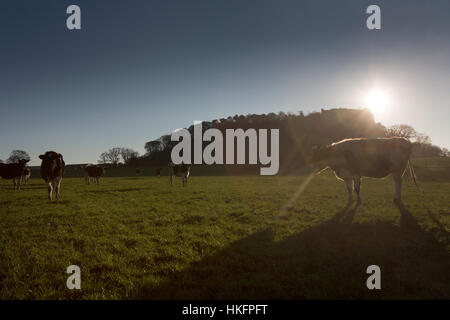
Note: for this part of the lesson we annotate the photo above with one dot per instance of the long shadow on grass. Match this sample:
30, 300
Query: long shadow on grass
327, 261
118, 190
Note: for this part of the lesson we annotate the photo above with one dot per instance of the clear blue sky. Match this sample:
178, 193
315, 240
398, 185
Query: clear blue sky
140, 69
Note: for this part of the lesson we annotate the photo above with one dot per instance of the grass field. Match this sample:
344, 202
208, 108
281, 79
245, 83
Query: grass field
224, 237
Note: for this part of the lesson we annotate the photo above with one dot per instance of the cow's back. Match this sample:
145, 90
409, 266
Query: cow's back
11, 170
94, 171
373, 157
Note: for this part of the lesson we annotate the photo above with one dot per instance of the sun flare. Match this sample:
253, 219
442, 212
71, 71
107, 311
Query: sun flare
377, 101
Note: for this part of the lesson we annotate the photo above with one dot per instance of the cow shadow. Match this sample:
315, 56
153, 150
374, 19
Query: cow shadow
34, 187
326, 261
118, 190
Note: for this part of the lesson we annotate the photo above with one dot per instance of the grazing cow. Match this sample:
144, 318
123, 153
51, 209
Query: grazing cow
13, 171
26, 175
138, 171
52, 171
179, 170
351, 159
158, 172
94, 172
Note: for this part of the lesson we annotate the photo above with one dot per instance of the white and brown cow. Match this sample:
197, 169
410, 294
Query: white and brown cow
52, 171
94, 172
351, 159
13, 171
26, 175
179, 170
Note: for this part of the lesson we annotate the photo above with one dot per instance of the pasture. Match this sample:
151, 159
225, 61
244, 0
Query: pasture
223, 237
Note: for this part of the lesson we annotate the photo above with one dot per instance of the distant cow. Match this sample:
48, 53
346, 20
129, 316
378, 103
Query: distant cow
26, 175
94, 172
180, 170
13, 171
351, 159
52, 171
158, 172
138, 171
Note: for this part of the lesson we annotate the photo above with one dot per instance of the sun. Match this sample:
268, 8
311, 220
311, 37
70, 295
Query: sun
377, 101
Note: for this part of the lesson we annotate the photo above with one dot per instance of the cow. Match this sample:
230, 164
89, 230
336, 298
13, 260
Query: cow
138, 171
179, 170
351, 159
14, 171
94, 172
26, 175
52, 171
158, 172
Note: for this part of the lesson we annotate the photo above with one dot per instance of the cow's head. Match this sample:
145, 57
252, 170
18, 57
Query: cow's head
52, 159
50, 155
23, 161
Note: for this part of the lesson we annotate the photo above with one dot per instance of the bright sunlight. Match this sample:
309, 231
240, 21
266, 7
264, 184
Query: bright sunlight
377, 101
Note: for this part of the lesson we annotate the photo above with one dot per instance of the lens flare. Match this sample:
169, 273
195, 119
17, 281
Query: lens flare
377, 101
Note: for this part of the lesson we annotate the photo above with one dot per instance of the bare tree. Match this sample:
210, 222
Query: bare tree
103, 158
111, 156
401, 130
1, 161
423, 138
128, 154
17, 155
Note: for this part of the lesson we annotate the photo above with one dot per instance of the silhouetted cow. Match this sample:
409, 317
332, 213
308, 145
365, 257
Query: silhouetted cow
158, 172
94, 172
351, 159
180, 170
13, 171
52, 171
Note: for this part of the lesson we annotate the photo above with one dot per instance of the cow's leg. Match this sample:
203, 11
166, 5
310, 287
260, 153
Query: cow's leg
50, 189
171, 180
357, 184
349, 184
18, 182
15, 183
87, 179
398, 186
57, 184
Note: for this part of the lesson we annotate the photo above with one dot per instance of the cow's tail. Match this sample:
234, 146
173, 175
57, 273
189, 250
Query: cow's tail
413, 175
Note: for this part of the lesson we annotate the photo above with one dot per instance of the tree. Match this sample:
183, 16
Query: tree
17, 155
401, 130
1, 161
103, 158
423, 138
111, 156
128, 154
153, 146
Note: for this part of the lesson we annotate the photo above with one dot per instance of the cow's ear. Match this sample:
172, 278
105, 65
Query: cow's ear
41, 157
60, 156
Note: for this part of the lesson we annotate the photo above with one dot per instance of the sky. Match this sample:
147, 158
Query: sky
140, 69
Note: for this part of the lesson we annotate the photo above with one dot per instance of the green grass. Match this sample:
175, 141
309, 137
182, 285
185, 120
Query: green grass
223, 237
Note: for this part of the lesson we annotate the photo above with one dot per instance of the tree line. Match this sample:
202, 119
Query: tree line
298, 134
